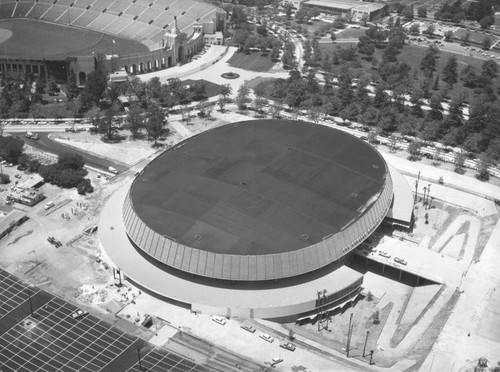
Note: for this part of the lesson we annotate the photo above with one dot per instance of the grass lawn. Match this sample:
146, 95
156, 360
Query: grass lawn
350, 33
475, 36
212, 89
253, 62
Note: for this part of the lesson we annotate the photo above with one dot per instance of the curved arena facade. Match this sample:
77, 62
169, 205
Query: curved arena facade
257, 201
137, 35
250, 219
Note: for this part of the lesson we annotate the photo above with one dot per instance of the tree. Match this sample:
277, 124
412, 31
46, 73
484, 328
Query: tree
430, 30
448, 36
155, 122
276, 109
4, 179
407, 13
483, 173
436, 111
429, 61
450, 73
414, 150
459, 162
366, 46
135, 120
107, 125
469, 76
422, 12
11, 149
199, 91
288, 7
94, 89
85, 187
487, 21
489, 69
466, 39
415, 29
486, 44
242, 98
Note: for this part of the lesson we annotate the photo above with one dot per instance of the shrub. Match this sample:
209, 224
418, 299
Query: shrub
85, 187
4, 179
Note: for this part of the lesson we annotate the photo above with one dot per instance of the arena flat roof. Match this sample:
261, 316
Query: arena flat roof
258, 200
259, 187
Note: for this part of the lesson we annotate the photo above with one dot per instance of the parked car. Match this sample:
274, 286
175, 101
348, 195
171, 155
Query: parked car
400, 261
79, 314
288, 346
49, 205
219, 320
275, 361
248, 328
267, 337
384, 254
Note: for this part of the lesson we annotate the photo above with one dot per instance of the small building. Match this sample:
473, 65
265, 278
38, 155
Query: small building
344, 8
25, 197
26, 192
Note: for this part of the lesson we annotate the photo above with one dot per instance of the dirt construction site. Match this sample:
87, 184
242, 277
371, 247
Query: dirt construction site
446, 320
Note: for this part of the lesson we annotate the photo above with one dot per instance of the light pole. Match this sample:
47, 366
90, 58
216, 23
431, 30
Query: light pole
366, 340
139, 357
348, 337
371, 357
29, 299
428, 193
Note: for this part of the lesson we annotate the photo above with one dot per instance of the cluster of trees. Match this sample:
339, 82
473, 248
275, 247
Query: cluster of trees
482, 11
11, 148
400, 92
68, 172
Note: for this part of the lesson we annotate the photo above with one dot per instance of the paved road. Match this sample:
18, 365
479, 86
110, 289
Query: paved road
47, 145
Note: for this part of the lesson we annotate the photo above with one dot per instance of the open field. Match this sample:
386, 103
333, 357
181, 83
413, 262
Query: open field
34, 39
253, 62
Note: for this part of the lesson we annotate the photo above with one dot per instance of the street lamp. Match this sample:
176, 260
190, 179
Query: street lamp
366, 340
349, 330
139, 357
371, 357
29, 299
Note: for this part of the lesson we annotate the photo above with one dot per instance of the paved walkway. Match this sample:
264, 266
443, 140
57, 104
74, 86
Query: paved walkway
464, 340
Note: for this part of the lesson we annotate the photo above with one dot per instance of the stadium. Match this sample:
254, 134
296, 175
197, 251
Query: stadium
60, 37
252, 219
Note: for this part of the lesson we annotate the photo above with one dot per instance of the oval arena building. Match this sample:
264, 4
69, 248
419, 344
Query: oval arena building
252, 219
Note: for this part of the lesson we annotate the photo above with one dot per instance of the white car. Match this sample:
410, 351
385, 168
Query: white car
219, 320
49, 205
79, 314
275, 361
267, 337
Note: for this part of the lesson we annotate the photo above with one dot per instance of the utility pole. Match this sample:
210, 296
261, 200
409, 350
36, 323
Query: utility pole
139, 357
428, 193
29, 298
366, 340
318, 293
416, 188
349, 336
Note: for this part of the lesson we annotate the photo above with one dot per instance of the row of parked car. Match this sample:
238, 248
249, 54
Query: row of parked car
264, 336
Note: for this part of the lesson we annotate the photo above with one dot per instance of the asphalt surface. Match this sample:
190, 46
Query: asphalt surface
45, 144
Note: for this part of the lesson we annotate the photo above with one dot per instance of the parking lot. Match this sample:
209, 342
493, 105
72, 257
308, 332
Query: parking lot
42, 335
